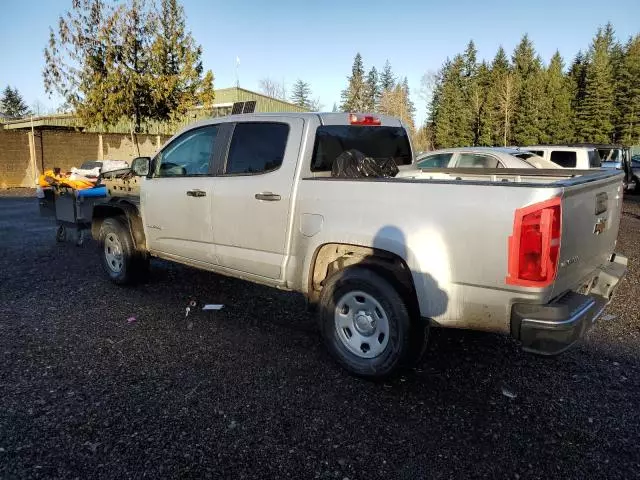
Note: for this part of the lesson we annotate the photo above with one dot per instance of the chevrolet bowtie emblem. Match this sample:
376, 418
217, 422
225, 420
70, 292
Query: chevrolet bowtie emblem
601, 225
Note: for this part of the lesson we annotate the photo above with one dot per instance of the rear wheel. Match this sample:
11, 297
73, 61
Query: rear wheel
365, 323
120, 260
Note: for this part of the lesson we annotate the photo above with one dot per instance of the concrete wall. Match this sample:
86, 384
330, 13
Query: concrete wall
15, 159
64, 149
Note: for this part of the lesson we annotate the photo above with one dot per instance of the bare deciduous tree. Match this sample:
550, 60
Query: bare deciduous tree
273, 88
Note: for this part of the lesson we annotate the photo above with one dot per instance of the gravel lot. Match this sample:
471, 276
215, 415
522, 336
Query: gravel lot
249, 392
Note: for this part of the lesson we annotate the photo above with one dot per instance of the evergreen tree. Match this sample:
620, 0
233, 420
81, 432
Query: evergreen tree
617, 58
387, 79
530, 108
558, 125
136, 62
301, 94
628, 119
470, 60
595, 113
496, 125
335, 107
452, 114
177, 82
577, 80
373, 88
482, 114
409, 106
355, 96
12, 103
474, 91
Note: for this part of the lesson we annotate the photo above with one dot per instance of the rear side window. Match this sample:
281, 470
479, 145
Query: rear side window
540, 153
474, 160
595, 161
439, 160
256, 148
565, 159
376, 142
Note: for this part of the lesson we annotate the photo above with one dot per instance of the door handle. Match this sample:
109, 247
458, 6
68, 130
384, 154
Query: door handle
196, 193
268, 197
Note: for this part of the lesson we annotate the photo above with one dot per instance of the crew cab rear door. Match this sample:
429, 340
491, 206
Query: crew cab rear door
252, 195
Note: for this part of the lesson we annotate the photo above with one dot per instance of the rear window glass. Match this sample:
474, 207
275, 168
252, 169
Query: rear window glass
595, 160
439, 160
257, 148
474, 160
375, 142
565, 159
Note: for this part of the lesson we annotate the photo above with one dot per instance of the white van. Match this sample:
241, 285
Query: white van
566, 156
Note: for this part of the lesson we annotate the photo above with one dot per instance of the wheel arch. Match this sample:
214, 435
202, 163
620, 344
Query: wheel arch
330, 258
131, 215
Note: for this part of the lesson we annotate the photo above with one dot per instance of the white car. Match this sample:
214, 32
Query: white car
579, 157
482, 157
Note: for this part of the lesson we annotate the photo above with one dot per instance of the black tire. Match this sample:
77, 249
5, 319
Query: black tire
131, 265
398, 346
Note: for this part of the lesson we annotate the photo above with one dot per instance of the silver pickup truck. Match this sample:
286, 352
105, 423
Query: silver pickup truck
520, 252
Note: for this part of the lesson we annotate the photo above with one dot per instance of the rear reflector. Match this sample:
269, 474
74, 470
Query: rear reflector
355, 119
534, 246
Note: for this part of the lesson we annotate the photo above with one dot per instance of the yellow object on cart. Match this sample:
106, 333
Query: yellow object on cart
50, 179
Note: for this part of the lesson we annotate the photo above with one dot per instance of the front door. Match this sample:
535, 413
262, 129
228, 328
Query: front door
177, 198
253, 196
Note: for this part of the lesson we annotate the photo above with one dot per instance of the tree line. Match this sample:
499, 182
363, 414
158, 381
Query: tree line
378, 93
522, 101
301, 93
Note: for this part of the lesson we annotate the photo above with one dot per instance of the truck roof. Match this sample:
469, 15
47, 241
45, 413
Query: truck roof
326, 118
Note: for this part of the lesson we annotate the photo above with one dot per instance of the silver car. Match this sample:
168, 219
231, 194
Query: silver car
482, 157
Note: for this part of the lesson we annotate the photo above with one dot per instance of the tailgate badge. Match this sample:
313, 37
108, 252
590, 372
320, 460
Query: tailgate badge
569, 261
600, 226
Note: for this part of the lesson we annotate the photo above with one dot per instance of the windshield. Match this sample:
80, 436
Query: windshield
375, 142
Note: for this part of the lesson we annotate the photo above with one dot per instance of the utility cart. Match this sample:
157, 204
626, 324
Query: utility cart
73, 209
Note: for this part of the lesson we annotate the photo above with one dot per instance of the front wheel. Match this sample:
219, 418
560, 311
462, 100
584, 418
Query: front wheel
119, 258
365, 323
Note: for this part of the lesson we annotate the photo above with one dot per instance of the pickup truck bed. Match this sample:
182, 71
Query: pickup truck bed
523, 252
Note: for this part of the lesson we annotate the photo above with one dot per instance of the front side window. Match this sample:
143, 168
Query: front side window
256, 148
475, 160
595, 160
565, 159
377, 142
189, 154
439, 160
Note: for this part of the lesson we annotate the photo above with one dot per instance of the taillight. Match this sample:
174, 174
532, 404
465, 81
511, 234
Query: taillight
355, 119
534, 246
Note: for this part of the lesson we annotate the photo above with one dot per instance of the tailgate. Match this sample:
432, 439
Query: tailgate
590, 221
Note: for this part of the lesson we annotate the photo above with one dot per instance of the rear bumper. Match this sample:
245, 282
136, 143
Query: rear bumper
553, 328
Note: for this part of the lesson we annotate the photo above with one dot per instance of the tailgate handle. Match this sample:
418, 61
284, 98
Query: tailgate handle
268, 196
196, 193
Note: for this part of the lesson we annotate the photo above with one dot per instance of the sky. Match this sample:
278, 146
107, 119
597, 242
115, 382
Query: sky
316, 41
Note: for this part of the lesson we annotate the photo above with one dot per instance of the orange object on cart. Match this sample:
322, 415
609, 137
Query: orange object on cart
50, 179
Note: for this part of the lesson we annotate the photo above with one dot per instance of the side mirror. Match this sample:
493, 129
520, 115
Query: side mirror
140, 166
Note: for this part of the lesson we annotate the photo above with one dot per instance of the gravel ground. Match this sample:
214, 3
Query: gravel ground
249, 392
